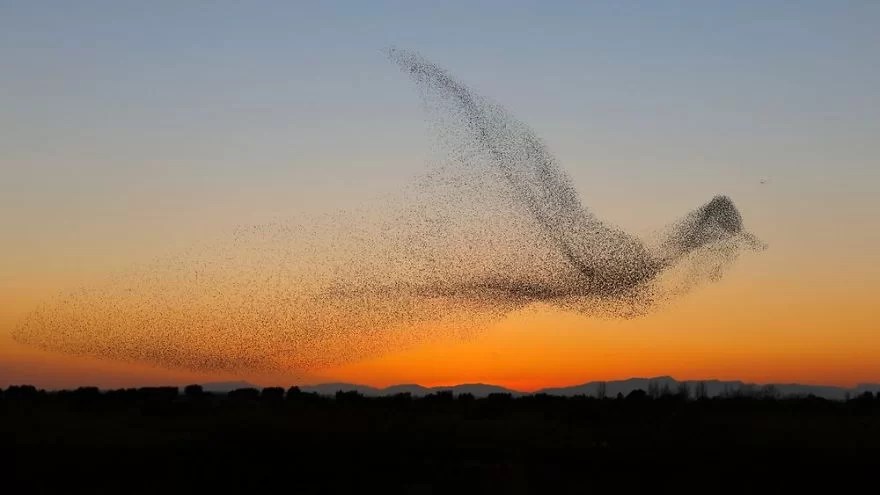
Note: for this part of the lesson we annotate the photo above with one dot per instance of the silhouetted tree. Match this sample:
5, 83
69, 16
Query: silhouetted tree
22, 392
88, 393
746, 390
193, 391
85, 397
272, 394
602, 390
296, 395
122, 394
244, 394
344, 396
158, 393
700, 392
769, 392
637, 394
440, 396
293, 393
684, 392
499, 397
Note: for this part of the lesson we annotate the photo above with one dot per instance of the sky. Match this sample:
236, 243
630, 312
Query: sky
131, 130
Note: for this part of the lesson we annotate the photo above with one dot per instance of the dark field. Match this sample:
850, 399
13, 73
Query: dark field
148, 439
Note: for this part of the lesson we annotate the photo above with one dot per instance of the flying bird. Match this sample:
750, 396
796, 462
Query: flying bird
599, 259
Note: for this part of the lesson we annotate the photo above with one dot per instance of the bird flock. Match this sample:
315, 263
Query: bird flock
493, 226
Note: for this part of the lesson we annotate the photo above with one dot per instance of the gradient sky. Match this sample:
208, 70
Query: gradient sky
131, 129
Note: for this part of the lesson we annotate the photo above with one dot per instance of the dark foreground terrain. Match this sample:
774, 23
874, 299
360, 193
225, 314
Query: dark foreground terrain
158, 439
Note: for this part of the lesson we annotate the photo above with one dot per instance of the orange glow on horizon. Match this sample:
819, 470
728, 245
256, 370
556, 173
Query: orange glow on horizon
757, 325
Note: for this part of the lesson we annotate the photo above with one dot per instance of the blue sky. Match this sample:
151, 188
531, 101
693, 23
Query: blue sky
165, 115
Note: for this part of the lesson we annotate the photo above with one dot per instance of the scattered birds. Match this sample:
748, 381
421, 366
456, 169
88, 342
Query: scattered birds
493, 227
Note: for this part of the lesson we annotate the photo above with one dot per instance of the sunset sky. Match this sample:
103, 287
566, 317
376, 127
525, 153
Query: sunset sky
132, 130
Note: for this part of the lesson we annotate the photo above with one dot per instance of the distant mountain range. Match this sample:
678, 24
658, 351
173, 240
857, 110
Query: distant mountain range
659, 384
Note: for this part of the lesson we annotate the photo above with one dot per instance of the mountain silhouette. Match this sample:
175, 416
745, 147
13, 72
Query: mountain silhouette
662, 384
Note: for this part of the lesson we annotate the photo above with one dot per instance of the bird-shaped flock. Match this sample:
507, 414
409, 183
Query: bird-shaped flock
494, 226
